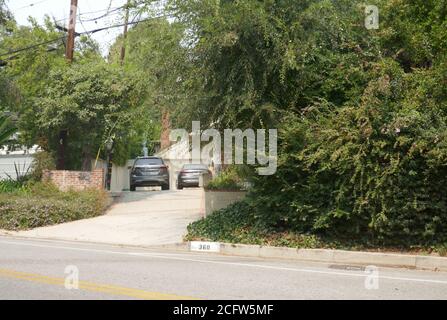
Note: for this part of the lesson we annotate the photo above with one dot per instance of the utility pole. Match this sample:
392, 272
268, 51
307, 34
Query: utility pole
126, 27
71, 30
63, 133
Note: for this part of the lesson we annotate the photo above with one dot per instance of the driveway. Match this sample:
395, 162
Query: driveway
142, 218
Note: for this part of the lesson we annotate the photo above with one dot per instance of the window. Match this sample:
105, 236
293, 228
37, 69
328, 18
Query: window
149, 162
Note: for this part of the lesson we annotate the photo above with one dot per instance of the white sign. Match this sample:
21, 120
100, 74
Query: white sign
372, 17
205, 246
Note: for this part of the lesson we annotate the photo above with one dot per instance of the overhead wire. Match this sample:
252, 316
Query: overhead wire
31, 5
86, 32
81, 33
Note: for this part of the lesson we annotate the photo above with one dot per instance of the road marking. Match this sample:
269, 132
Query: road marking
179, 257
91, 286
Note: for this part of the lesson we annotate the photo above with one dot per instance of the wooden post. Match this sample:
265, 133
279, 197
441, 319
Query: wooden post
71, 30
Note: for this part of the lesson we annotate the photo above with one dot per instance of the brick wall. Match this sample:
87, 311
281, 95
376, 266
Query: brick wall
76, 180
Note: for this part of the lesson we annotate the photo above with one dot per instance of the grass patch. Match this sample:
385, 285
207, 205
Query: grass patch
42, 204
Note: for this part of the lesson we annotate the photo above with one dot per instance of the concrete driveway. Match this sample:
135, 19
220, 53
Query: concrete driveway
142, 218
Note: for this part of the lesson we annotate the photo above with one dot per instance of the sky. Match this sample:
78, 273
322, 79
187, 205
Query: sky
60, 10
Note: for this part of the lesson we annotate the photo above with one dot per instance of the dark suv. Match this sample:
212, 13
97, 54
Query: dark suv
149, 172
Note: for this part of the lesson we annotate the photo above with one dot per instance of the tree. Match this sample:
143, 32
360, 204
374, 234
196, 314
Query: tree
256, 59
6, 86
5, 15
156, 53
6, 130
92, 102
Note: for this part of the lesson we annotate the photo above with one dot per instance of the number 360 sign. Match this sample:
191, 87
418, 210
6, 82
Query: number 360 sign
205, 246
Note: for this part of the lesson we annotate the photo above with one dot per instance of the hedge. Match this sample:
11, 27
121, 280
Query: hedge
47, 206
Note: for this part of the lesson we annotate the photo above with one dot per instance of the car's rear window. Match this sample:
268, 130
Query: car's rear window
195, 167
149, 162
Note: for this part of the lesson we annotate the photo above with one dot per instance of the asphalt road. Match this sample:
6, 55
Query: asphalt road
39, 269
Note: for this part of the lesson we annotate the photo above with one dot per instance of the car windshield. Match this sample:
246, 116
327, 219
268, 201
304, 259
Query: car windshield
149, 162
195, 167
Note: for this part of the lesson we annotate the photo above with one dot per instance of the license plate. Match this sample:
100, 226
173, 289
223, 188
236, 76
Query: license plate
150, 173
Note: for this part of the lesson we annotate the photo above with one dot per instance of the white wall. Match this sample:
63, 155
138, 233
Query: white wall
7, 164
120, 175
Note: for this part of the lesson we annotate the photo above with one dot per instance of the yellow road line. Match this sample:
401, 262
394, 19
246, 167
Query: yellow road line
90, 286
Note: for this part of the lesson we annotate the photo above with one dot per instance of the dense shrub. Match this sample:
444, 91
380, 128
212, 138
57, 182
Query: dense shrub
231, 179
10, 185
42, 161
374, 172
45, 205
237, 224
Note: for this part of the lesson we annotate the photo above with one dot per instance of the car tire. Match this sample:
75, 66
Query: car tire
165, 187
179, 187
133, 188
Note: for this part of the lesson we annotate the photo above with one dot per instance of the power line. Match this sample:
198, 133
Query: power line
109, 11
102, 16
83, 27
112, 10
108, 14
31, 47
30, 5
123, 24
77, 34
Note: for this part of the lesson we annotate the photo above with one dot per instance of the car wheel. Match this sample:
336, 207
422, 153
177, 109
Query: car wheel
165, 187
179, 187
133, 188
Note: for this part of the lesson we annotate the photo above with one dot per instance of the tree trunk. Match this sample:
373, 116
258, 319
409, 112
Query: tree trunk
86, 159
63, 136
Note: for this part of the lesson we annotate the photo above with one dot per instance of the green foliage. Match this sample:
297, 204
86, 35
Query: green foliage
28, 71
223, 225
13, 186
6, 130
237, 224
255, 59
93, 102
228, 180
158, 59
4, 14
42, 161
369, 171
45, 205
361, 113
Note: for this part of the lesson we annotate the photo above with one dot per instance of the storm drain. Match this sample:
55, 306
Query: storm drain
346, 267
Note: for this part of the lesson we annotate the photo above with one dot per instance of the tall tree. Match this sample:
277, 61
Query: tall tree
155, 53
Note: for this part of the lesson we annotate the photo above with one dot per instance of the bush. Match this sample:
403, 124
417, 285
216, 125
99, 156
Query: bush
372, 172
10, 186
237, 224
231, 179
42, 161
45, 205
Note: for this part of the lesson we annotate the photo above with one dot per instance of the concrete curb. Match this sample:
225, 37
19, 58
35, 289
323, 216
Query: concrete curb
338, 256
357, 258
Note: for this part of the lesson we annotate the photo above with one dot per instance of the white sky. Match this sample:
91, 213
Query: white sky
60, 10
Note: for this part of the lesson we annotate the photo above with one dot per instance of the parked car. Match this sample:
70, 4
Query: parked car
149, 172
189, 175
